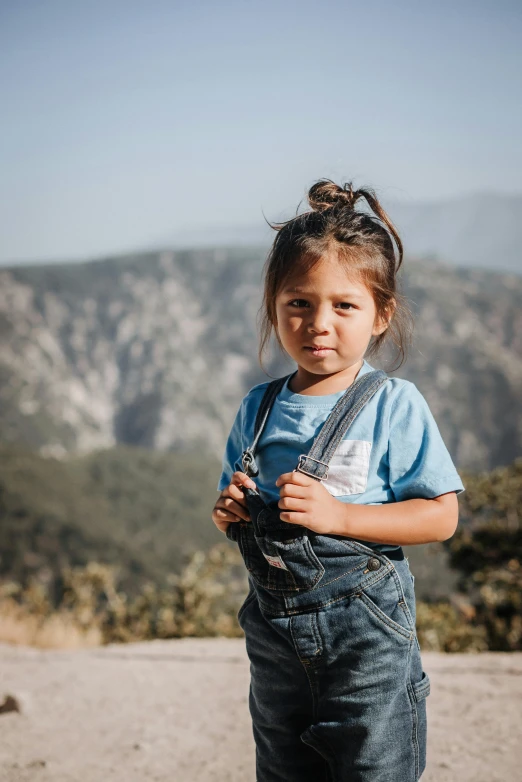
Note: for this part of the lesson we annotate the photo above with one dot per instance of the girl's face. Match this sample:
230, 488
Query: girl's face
325, 320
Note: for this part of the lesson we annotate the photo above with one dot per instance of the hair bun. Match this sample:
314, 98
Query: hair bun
324, 194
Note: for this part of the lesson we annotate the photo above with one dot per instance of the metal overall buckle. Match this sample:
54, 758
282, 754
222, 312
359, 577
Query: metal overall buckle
250, 467
299, 467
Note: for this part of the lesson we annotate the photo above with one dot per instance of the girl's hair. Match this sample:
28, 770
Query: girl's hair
364, 246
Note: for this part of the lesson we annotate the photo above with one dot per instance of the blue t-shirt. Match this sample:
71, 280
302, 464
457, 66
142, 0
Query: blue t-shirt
393, 451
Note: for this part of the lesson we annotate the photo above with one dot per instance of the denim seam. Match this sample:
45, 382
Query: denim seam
313, 559
415, 728
316, 633
347, 572
402, 599
414, 715
306, 665
359, 548
316, 606
423, 691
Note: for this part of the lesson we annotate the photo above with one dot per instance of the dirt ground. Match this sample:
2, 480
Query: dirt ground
177, 711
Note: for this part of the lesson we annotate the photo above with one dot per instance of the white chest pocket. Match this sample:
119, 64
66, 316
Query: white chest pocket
348, 473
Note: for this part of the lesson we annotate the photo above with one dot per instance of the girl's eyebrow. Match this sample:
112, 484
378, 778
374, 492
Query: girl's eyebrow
345, 295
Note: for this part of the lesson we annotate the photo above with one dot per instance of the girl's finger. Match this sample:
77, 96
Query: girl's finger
295, 477
242, 479
225, 515
235, 492
293, 490
291, 503
230, 505
238, 496
294, 517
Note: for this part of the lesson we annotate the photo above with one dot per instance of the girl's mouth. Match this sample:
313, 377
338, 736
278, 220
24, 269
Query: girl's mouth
318, 352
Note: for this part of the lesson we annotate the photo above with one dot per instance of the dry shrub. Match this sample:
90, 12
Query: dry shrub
202, 601
443, 627
55, 630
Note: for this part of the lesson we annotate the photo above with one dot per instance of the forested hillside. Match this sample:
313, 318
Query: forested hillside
143, 512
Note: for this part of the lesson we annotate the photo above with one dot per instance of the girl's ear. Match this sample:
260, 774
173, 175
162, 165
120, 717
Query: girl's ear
383, 321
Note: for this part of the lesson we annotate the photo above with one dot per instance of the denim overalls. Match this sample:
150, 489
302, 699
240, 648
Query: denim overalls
337, 690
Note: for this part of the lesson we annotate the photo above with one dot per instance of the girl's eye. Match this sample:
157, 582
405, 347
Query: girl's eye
296, 303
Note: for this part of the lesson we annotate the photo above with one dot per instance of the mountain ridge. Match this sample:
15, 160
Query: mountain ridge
157, 350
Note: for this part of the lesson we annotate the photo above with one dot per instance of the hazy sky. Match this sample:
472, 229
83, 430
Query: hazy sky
124, 123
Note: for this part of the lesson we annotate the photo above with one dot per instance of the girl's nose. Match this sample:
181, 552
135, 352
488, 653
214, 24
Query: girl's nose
320, 319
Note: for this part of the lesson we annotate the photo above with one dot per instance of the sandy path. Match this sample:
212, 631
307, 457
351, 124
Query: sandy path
177, 711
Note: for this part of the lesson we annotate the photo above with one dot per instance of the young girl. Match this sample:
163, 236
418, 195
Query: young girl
349, 467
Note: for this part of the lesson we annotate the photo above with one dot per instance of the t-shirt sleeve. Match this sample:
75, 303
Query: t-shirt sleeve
233, 451
420, 464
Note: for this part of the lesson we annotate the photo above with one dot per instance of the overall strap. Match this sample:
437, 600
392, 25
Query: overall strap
333, 430
267, 402
338, 422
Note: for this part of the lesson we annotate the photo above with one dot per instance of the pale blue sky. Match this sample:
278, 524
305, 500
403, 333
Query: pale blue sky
126, 123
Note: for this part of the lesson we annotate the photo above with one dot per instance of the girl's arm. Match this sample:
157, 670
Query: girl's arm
403, 523
422, 477
307, 502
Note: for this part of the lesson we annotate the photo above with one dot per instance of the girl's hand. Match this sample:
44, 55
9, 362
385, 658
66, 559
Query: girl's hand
305, 501
231, 503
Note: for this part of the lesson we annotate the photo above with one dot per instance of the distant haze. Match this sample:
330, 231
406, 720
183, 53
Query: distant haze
481, 231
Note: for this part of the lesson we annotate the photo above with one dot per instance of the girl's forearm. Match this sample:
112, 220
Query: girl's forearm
403, 523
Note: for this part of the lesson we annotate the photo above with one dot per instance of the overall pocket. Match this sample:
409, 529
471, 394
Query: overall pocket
277, 562
385, 600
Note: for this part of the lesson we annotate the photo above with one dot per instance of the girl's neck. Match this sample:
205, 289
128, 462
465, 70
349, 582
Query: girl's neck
308, 384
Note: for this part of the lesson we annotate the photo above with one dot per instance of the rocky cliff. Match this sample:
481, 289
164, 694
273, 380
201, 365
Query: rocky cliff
157, 350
